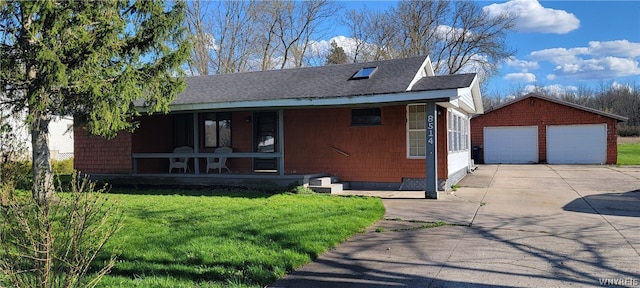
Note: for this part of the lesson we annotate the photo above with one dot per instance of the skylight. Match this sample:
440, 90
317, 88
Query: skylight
364, 73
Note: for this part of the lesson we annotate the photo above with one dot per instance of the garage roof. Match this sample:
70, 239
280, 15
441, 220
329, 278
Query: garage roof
561, 102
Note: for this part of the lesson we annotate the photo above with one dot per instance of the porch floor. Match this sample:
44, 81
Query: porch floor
251, 180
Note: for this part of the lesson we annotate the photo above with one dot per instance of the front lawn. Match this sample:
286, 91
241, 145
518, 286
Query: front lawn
228, 239
629, 154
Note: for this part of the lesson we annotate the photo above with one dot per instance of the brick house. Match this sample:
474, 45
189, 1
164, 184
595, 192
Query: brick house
379, 125
538, 129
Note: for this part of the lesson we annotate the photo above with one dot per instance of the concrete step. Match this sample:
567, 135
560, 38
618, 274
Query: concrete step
331, 188
322, 181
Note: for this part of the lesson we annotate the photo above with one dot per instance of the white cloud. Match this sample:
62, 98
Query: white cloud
621, 48
621, 86
522, 64
533, 17
600, 60
555, 89
521, 77
349, 45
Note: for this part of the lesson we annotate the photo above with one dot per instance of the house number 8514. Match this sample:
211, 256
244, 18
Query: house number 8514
430, 129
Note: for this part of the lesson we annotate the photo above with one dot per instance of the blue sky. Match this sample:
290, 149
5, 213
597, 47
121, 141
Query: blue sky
563, 45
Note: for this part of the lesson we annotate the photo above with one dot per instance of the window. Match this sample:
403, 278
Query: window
458, 132
366, 117
364, 73
416, 131
217, 129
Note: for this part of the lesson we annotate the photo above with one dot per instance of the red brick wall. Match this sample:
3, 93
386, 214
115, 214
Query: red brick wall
376, 153
153, 135
241, 140
94, 154
540, 112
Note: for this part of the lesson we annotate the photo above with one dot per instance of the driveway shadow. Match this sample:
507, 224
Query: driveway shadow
617, 204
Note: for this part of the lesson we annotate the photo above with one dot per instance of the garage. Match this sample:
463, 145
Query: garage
577, 144
521, 147
542, 129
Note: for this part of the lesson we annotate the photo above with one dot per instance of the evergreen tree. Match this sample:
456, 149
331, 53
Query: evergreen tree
337, 55
91, 59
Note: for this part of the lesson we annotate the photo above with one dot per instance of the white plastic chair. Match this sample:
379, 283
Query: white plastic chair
180, 162
219, 162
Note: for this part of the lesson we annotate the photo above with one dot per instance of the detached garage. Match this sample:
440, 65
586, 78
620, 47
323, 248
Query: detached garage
538, 129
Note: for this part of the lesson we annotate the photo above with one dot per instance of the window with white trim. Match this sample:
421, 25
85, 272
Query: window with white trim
416, 131
458, 132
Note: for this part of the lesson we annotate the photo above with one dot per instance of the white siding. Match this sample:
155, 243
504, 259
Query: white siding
458, 161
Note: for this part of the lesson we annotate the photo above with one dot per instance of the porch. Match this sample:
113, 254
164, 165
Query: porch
250, 180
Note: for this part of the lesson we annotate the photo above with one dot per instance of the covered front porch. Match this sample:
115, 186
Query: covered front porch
317, 142
254, 141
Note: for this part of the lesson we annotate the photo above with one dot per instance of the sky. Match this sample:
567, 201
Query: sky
562, 45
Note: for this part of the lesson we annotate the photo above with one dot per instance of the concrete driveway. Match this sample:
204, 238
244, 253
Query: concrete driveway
508, 226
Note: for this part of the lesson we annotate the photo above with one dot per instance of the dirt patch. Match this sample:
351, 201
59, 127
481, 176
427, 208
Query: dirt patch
628, 140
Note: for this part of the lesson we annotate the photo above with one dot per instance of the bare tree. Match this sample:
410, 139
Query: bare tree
417, 24
473, 38
287, 27
199, 26
355, 20
459, 35
235, 39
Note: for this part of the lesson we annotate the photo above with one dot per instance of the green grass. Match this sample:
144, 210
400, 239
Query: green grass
629, 154
228, 239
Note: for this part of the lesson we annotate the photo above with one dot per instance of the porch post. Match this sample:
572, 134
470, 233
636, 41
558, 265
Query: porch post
431, 189
196, 142
281, 142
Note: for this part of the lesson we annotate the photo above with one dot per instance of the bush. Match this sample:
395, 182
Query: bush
62, 167
629, 131
18, 173
55, 243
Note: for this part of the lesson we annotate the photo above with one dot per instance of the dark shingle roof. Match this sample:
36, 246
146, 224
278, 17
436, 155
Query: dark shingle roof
392, 76
332, 81
444, 82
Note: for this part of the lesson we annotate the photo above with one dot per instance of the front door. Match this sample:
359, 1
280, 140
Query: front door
265, 134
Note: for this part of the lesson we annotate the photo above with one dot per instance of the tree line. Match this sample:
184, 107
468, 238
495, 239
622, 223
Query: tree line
237, 36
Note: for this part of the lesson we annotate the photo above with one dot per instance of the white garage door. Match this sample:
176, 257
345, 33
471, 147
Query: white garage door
577, 144
511, 145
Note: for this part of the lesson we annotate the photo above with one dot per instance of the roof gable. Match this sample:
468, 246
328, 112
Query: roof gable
557, 101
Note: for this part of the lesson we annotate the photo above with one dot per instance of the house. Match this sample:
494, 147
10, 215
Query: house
538, 129
60, 137
379, 125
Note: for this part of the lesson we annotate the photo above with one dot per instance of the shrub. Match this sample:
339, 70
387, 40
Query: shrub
629, 131
55, 243
18, 173
301, 190
63, 167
